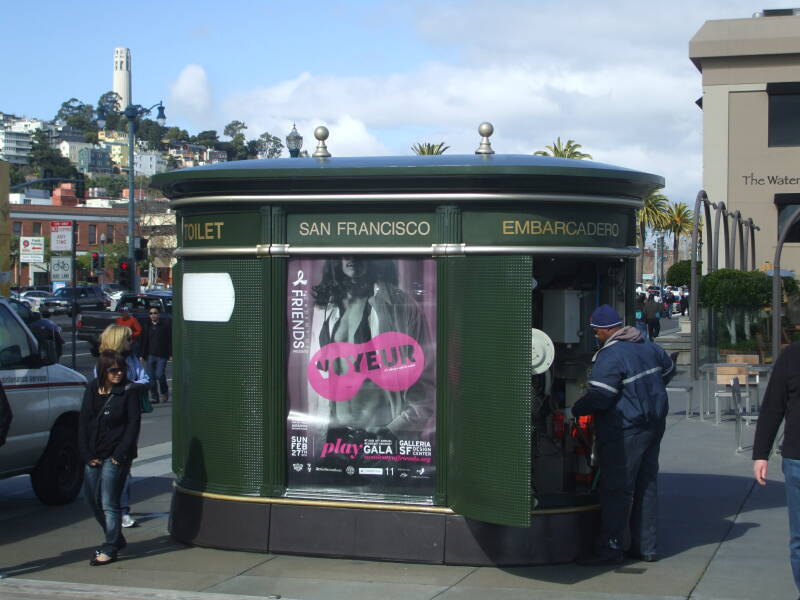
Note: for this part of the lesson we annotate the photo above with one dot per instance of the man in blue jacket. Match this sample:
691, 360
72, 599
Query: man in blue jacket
628, 397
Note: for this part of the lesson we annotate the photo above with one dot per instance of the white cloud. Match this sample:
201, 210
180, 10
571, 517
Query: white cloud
615, 77
190, 95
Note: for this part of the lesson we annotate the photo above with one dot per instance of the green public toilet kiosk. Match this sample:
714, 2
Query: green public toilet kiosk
375, 357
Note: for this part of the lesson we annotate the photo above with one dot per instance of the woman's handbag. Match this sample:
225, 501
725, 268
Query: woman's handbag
144, 398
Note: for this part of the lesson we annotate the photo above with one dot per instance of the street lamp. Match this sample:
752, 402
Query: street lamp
294, 141
132, 112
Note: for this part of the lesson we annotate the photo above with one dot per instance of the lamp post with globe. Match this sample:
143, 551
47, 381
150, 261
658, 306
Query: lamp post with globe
294, 141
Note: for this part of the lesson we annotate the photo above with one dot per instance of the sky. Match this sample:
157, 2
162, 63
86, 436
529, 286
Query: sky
614, 76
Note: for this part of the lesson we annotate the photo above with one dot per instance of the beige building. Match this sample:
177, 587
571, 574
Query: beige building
751, 119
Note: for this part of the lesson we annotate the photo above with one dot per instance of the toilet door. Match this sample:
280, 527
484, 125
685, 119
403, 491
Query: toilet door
488, 387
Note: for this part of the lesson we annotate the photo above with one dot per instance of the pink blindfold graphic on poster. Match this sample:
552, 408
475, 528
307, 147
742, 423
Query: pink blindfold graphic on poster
393, 360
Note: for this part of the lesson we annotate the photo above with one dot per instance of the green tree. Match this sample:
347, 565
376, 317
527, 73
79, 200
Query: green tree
153, 133
177, 134
48, 161
110, 104
681, 272
234, 128
172, 162
727, 290
269, 146
237, 150
651, 216
80, 116
208, 138
429, 149
679, 222
568, 150
113, 184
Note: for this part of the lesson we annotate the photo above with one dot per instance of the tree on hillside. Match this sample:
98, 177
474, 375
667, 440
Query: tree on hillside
680, 222
234, 128
568, 150
110, 105
208, 138
269, 146
153, 133
652, 216
80, 116
47, 161
429, 149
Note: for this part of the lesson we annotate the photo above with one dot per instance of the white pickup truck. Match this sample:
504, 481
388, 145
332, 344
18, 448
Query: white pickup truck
45, 399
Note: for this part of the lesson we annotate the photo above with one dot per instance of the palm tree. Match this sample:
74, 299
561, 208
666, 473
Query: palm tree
568, 150
653, 216
428, 149
680, 222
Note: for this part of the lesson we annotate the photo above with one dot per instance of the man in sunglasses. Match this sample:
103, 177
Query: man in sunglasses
156, 350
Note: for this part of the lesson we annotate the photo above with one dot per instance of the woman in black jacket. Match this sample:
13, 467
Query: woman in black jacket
107, 435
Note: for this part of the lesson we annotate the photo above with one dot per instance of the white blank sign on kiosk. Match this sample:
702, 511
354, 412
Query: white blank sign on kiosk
208, 297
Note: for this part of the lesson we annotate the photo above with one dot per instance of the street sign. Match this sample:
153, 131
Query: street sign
61, 268
31, 249
61, 236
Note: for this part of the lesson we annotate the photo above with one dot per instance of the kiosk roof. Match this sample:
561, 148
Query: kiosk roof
456, 172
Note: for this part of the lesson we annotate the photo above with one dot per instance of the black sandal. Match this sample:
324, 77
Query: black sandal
99, 563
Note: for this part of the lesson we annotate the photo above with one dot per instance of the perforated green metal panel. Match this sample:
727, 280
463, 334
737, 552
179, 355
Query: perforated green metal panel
489, 408
219, 416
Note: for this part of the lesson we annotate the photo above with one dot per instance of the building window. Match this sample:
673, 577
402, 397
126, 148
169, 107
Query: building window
92, 234
17, 228
37, 229
784, 114
109, 234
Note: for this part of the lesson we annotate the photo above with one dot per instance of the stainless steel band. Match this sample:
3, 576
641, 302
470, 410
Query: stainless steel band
285, 250
431, 197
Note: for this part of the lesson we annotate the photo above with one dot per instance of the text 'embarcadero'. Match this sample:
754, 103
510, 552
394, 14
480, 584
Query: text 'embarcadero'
577, 228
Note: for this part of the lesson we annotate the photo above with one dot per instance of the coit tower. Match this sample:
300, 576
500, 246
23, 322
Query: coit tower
122, 75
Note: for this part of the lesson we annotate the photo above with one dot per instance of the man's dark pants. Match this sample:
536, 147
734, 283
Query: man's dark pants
629, 492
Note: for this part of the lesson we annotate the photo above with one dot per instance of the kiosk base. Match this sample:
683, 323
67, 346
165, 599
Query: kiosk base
555, 535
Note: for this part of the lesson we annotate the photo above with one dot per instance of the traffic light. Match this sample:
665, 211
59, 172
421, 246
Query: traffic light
95, 261
102, 261
80, 186
140, 252
125, 275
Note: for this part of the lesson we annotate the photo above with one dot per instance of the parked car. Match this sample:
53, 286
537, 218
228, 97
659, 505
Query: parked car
86, 297
45, 400
92, 323
38, 300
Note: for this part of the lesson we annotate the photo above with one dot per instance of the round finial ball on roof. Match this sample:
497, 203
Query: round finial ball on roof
486, 129
321, 133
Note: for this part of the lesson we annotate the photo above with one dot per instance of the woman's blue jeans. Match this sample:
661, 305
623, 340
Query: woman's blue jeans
102, 488
791, 476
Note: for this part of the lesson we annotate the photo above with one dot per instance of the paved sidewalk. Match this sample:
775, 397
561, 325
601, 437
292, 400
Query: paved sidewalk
722, 537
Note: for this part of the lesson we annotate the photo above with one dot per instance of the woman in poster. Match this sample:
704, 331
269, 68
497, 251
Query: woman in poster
356, 301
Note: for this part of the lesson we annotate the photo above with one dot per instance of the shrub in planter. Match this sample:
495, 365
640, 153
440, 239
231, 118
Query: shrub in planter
727, 290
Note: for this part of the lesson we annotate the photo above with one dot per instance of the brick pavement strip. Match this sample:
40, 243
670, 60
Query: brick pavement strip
32, 589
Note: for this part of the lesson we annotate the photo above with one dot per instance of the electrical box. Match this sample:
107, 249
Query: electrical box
561, 315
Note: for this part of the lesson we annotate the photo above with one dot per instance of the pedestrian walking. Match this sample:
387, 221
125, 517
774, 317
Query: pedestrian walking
627, 396
118, 338
156, 350
782, 403
684, 302
638, 314
108, 430
652, 313
669, 300
125, 319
